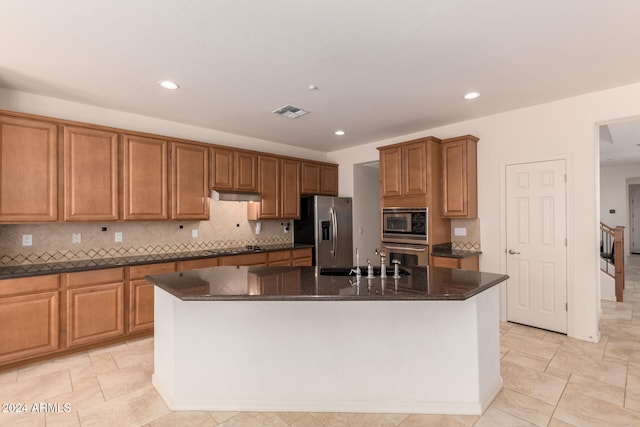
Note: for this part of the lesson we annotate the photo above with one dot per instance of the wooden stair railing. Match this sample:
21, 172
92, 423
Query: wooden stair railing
612, 250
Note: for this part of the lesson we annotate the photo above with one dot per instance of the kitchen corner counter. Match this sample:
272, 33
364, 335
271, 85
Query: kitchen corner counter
41, 269
446, 251
310, 284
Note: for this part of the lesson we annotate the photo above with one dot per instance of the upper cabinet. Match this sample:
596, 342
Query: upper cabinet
409, 171
234, 170
145, 178
189, 181
459, 177
318, 178
290, 189
279, 187
90, 178
28, 170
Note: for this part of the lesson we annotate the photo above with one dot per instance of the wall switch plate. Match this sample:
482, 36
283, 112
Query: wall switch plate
27, 240
76, 238
194, 233
118, 237
459, 231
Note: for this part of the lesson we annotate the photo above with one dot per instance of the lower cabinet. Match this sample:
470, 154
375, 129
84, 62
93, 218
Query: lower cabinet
469, 263
94, 305
244, 259
192, 264
141, 295
29, 315
301, 257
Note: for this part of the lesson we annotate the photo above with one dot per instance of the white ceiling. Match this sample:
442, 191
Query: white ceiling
384, 68
620, 143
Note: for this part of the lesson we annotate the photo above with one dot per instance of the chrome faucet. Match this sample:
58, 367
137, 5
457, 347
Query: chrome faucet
396, 268
383, 266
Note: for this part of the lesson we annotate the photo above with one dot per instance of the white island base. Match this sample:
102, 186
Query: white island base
339, 356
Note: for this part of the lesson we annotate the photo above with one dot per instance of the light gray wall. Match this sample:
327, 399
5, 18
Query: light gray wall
366, 210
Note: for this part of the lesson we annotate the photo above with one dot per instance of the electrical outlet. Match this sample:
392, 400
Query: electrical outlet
118, 237
27, 240
459, 231
76, 238
194, 233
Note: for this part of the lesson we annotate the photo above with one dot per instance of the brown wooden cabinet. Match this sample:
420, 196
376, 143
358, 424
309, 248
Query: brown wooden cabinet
90, 170
301, 257
459, 177
94, 305
235, 170
244, 259
468, 263
329, 180
141, 295
290, 189
318, 178
192, 264
28, 170
29, 315
145, 178
189, 181
279, 258
407, 171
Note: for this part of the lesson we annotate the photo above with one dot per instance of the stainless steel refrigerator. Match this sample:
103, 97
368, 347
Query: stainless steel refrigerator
326, 223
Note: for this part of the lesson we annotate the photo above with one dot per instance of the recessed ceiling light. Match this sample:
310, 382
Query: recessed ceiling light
169, 84
313, 87
339, 132
472, 95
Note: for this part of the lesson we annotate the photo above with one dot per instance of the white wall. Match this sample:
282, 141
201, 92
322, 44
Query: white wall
561, 129
614, 194
66, 110
366, 211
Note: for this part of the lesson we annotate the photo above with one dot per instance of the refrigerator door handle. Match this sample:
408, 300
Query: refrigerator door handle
334, 231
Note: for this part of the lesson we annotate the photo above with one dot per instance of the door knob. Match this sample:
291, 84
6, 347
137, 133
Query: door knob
512, 252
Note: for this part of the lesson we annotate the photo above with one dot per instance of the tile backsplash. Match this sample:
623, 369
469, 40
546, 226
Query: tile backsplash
227, 227
470, 242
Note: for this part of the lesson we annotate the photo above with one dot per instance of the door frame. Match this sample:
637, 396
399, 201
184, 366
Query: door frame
568, 159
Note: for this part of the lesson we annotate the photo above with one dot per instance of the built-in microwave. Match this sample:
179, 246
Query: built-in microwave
405, 225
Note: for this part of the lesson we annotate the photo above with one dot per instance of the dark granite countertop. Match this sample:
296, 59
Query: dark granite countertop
445, 250
27, 270
309, 284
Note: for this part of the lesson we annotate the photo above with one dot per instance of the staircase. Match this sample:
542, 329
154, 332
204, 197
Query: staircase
612, 255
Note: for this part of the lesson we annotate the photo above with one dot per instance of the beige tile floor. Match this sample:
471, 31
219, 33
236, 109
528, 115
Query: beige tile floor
549, 380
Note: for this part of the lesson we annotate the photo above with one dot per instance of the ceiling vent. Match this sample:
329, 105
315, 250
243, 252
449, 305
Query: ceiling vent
291, 112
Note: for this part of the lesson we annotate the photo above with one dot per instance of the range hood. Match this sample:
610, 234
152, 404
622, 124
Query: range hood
234, 196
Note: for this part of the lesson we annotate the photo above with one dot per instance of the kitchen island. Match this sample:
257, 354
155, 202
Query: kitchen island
295, 339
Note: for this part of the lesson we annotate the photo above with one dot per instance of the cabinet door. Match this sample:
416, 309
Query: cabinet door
141, 295
145, 178
189, 181
390, 167
459, 178
221, 168
269, 179
310, 178
414, 168
95, 313
329, 180
279, 258
290, 189
29, 325
246, 171
90, 168
28, 170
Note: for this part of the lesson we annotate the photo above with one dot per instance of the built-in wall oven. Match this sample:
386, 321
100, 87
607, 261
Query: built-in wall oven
405, 235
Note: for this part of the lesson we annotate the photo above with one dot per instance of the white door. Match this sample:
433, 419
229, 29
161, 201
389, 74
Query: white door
537, 245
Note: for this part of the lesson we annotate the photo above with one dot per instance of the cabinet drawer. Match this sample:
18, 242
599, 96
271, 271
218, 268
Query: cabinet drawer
140, 271
445, 262
247, 259
301, 253
279, 256
197, 263
94, 277
24, 285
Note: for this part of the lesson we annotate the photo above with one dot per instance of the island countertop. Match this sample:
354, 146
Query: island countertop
310, 284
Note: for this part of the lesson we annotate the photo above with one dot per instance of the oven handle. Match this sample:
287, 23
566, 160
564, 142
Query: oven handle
404, 248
